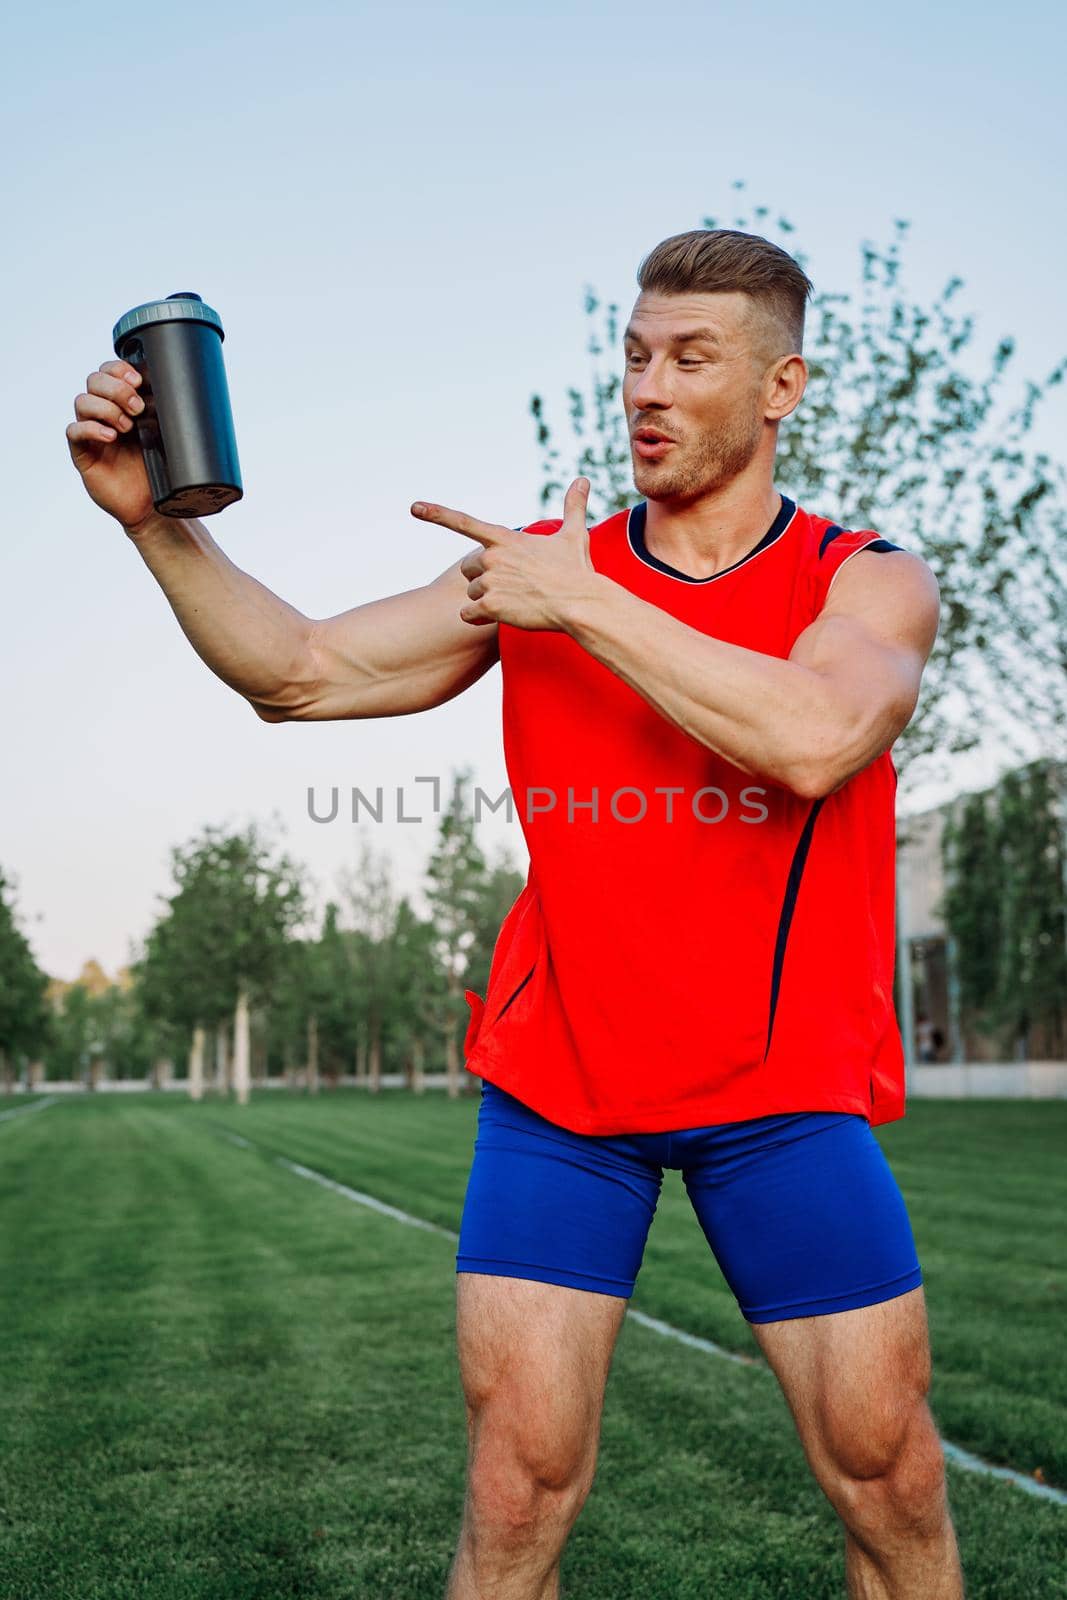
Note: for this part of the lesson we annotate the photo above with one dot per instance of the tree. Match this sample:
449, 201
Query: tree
221, 943
1031, 987
456, 890
499, 891
24, 1017
970, 905
1005, 909
72, 1033
897, 432
293, 1000
333, 992
418, 993
371, 900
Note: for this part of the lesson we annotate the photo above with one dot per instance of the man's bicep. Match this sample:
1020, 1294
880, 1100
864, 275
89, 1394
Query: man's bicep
403, 653
871, 642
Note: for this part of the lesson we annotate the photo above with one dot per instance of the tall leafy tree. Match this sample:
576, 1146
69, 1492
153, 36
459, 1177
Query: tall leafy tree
24, 1017
971, 905
224, 931
907, 429
367, 890
1005, 908
499, 890
418, 994
456, 888
1031, 989
73, 1033
334, 988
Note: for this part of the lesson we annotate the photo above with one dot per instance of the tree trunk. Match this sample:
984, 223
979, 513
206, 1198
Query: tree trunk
7, 1077
417, 1058
259, 1056
361, 1055
222, 1059
242, 1049
313, 1055
36, 1074
452, 1063
196, 1065
375, 1063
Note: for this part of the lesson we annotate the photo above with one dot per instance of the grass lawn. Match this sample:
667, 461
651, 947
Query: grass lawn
220, 1380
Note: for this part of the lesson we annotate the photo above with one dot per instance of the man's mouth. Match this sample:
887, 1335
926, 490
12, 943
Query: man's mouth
650, 444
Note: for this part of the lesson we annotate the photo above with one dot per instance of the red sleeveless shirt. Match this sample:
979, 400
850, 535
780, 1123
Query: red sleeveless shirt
693, 944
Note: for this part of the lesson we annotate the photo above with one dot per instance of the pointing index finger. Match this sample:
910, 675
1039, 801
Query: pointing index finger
486, 533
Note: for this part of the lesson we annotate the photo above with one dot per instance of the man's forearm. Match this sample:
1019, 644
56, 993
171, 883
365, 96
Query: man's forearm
772, 718
251, 638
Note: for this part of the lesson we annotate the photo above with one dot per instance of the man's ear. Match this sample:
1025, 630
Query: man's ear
785, 384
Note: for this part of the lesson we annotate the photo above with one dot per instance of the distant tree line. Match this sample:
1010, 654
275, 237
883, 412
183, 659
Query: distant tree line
231, 983
232, 979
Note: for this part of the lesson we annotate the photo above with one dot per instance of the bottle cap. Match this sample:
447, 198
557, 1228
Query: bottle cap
186, 307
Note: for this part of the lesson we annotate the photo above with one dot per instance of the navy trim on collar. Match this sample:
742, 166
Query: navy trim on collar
635, 533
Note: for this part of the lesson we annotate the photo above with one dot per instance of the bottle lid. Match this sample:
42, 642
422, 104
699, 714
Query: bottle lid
184, 307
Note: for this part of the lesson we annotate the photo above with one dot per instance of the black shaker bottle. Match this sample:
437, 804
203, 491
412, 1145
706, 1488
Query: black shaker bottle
186, 429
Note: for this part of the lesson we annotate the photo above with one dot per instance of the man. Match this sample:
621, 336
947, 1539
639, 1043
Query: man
700, 696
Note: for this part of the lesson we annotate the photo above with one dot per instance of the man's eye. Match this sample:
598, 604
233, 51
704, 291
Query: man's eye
689, 361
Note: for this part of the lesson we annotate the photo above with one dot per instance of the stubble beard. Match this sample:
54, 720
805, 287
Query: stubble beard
714, 460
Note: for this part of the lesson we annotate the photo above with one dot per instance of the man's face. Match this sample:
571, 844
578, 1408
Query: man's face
694, 375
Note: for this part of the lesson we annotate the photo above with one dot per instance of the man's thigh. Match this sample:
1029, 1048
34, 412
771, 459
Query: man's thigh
856, 1383
534, 1359
553, 1229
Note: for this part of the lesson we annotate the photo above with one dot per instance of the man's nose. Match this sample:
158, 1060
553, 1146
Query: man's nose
651, 388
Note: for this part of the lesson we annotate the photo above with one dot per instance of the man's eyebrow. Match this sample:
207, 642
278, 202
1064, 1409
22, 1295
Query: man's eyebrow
694, 336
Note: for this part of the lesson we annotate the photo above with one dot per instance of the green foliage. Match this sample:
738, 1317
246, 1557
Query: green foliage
417, 989
1005, 906
227, 925
74, 1035
1032, 975
971, 902
382, 984
24, 1016
904, 429
455, 875
499, 891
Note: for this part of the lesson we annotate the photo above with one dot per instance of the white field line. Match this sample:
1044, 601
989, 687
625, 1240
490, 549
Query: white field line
24, 1111
953, 1452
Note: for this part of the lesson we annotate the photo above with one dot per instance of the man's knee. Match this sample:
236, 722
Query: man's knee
892, 1479
523, 1472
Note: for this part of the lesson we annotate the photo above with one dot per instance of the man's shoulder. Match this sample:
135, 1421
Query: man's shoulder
832, 539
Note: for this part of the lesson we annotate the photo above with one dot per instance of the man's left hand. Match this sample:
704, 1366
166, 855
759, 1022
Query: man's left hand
524, 579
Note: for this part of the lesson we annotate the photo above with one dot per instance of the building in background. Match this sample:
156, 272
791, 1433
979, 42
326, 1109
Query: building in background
932, 1024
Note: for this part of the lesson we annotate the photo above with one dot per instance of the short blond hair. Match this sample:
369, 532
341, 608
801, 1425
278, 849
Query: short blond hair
722, 260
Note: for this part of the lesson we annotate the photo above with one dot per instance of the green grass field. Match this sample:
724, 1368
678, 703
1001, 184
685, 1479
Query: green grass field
221, 1380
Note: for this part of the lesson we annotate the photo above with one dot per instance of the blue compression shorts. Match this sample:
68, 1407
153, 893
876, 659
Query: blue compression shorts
801, 1211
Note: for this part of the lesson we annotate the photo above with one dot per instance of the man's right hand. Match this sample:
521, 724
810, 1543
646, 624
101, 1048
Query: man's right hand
104, 447
403, 653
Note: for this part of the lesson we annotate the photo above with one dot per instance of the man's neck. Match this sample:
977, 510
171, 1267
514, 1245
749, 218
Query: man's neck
711, 534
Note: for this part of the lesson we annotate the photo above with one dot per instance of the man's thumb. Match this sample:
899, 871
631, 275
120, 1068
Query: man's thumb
576, 507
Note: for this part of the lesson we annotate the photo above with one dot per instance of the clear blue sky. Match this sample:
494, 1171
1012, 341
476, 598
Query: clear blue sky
395, 210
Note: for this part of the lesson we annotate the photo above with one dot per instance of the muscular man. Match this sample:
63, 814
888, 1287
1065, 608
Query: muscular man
700, 698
